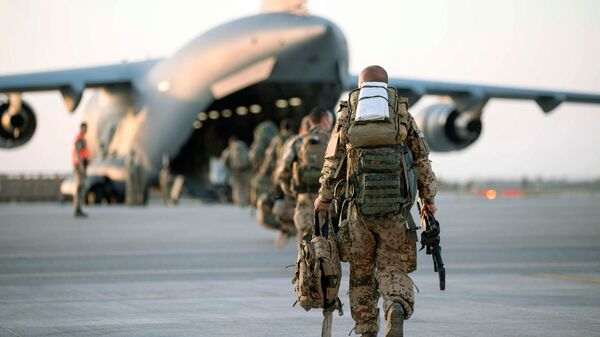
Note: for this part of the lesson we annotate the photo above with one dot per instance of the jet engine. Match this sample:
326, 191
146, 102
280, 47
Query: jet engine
17, 124
448, 129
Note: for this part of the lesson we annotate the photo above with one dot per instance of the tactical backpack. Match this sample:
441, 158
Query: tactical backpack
263, 134
311, 156
380, 177
318, 270
239, 159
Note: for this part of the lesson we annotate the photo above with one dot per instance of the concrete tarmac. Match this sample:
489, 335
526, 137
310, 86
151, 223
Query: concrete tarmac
519, 267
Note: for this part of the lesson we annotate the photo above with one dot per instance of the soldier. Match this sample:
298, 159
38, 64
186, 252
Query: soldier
371, 157
282, 204
140, 182
275, 149
263, 134
81, 159
164, 179
262, 182
235, 158
131, 186
283, 209
300, 168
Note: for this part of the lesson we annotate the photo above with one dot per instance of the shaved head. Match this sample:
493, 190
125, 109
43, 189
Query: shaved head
373, 74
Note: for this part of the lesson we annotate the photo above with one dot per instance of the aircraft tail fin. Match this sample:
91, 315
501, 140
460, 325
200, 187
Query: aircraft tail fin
287, 6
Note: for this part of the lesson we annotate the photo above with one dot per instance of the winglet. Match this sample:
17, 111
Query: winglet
72, 95
549, 103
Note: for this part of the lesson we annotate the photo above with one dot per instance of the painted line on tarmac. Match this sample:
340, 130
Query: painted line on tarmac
142, 272
574, 278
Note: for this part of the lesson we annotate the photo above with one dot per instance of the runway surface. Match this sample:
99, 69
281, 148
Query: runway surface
519, 267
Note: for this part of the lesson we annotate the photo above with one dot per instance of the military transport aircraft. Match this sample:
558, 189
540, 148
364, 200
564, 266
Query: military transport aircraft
279, 63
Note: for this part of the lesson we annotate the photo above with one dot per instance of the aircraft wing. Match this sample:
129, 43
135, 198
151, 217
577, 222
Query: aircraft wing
72, 82
469, 96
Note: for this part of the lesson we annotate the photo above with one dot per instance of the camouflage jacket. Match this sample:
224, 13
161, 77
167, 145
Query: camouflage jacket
336, 150
274, 152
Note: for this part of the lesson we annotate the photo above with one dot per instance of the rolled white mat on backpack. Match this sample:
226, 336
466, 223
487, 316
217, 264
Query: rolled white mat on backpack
372, 102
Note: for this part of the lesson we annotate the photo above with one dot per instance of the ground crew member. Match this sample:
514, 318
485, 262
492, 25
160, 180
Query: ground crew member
81, 160
301, 166
235, 159
382, 252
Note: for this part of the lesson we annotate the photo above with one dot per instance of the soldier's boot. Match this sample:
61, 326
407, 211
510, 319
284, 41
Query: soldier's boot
80, 214
395, 321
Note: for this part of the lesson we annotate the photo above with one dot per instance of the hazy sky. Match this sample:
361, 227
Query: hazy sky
544, 44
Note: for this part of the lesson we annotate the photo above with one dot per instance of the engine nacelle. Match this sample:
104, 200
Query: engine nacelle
16, 127
447, 129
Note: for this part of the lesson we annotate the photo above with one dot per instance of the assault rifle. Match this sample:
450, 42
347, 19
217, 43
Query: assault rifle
430, 238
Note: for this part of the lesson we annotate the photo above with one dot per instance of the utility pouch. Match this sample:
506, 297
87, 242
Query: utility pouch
379, 181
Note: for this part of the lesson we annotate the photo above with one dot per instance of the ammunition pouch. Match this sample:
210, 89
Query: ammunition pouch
379, 181
305, 179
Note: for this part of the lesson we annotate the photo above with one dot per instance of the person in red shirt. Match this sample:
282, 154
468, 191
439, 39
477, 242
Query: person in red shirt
81, 159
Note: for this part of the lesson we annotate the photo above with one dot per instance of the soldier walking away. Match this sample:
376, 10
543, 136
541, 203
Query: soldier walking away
300, 168
368, 151
263, 134
272, 204
81, 159
235, 158
131, 182
164, 180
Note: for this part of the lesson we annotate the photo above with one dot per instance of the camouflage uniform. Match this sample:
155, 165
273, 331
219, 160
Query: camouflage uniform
263, 134
274, 152
239, 178
272, 156
304, 211
382, 255
131, 187
164, 179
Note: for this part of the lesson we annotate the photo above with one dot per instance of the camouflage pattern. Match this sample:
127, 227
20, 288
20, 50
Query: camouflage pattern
265, 180
304, 211
290, 154
131, 188
283, 172
263, 134
164, 180
239, 179
274, 152
381, 258
240, 187
382, 255
304, 214
426, 180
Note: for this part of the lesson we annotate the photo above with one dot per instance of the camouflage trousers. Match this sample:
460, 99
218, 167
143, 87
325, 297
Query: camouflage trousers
240, 188
381, 258
304, 214
283, 210
79, 193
